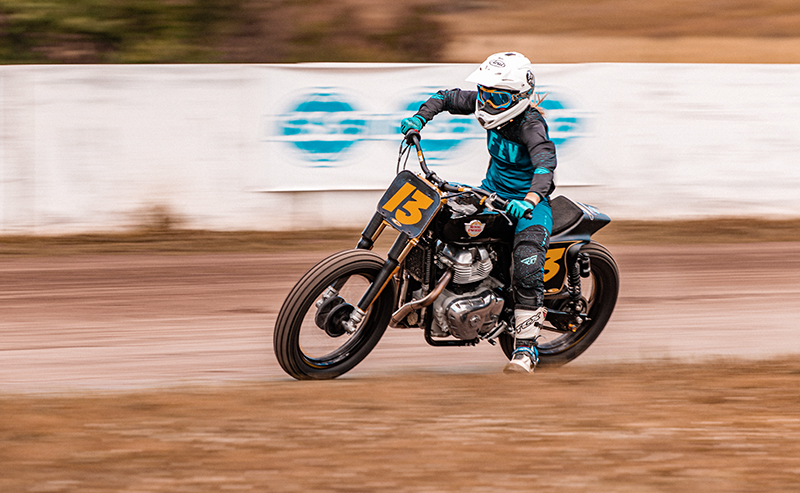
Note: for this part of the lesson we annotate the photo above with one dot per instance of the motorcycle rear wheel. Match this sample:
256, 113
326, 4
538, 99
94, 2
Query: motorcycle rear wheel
308, 352
600, 291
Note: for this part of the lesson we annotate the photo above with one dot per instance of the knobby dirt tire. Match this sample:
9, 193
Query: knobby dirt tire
605, 289
299, 308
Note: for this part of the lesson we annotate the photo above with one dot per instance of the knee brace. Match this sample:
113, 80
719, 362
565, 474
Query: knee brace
530, 248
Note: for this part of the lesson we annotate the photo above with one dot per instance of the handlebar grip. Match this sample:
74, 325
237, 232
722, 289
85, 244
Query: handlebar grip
501, 204
413, 137
448, 187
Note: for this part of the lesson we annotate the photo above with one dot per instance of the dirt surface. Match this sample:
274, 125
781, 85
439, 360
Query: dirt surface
88, 322
622, 428
154, 372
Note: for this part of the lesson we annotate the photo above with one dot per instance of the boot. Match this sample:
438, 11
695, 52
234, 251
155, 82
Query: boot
526, 356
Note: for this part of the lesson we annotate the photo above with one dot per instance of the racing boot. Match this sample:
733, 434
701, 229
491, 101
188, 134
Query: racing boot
526, 356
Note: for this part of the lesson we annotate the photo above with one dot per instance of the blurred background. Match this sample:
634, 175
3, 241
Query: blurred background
281, 31
116, 111
114, 348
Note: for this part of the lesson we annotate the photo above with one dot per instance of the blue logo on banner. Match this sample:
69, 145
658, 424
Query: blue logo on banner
322, 126
325, 125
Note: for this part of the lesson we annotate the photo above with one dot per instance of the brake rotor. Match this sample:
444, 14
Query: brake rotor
325, 309
565, 322
334, 323
332, 314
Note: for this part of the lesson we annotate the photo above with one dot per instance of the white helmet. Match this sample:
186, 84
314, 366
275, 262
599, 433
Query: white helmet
505, 86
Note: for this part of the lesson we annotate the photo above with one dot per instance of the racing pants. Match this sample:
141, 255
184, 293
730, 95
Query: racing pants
531, 241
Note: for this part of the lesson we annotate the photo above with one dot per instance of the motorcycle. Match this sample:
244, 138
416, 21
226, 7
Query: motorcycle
448, 273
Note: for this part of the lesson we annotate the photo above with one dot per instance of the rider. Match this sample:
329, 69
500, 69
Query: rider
520, 170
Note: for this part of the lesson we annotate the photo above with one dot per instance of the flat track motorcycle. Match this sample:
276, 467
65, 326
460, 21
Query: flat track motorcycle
447, 273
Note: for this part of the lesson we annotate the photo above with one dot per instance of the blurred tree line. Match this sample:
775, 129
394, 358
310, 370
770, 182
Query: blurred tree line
204, 31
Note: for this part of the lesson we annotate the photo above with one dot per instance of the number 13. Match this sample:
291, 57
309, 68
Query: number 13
411, 212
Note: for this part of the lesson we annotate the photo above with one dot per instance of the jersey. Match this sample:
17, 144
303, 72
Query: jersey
522, 156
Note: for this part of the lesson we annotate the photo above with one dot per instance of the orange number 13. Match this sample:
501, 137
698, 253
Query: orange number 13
411, 212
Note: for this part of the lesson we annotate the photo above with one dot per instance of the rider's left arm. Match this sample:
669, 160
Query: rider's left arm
542, 151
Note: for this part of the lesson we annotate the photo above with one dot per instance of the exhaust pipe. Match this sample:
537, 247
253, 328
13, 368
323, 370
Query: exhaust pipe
404, 310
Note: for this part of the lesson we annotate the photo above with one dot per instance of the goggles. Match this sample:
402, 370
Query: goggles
497, 98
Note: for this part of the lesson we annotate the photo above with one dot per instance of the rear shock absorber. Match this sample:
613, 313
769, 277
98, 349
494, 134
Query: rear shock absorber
576, 304
574, 281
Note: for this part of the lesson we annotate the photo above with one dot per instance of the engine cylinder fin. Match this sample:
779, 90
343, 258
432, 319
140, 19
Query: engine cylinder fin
469, 264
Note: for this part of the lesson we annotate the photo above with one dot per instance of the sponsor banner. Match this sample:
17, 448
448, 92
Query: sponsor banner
337, 126
314, 145
638, 140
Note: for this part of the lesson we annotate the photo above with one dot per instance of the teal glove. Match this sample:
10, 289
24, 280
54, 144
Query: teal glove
518, 208
416, 122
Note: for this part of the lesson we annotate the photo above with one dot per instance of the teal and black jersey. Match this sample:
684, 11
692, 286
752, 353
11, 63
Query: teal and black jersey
523, 158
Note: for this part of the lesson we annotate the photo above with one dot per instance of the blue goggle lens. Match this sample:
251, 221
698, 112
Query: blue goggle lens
495, 97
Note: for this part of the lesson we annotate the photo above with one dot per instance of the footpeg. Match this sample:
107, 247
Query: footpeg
492, 335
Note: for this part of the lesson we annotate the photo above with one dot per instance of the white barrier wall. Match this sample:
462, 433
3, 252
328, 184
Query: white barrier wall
88, 148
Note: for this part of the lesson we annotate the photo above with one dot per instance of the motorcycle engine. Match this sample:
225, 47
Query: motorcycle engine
466, 314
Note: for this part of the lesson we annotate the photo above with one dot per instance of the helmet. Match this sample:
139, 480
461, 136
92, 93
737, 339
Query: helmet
505, 86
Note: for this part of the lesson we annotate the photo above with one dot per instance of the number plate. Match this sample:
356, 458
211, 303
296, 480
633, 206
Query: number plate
409, 204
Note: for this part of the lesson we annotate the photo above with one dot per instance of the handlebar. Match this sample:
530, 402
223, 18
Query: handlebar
500, 203
413, 138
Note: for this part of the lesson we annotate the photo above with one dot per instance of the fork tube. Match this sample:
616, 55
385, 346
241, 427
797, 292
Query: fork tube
402, 245
371, 232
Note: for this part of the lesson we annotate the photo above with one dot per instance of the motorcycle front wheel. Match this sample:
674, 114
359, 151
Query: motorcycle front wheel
557, 347
309, 340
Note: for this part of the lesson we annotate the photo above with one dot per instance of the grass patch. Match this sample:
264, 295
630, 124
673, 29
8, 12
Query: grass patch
208, 31
182, 241
178, 242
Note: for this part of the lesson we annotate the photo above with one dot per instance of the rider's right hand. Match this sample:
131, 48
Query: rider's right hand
415, 122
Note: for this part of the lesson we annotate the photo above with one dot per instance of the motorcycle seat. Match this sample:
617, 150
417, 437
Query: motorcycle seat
565, 214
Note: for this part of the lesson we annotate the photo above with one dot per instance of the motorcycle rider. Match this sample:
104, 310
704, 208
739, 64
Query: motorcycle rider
521, 167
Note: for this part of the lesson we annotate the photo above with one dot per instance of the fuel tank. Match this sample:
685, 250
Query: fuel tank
459, 226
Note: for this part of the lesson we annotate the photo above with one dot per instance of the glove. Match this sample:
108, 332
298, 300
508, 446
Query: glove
518, 208
416, 122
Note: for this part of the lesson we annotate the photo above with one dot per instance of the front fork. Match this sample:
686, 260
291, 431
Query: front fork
402, 245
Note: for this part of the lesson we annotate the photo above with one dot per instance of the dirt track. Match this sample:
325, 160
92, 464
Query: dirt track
143, 320
411, 418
